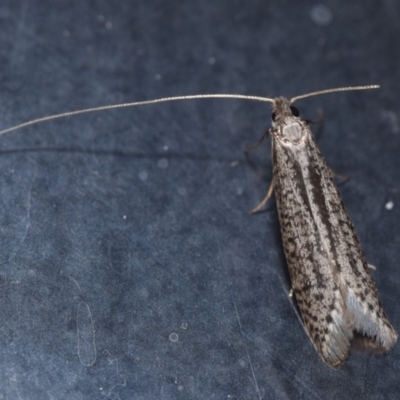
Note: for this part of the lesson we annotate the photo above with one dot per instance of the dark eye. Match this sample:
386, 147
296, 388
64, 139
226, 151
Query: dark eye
294, 111
273, 116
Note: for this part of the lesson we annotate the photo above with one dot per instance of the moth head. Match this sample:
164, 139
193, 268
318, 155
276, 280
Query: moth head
286, 122
282, 109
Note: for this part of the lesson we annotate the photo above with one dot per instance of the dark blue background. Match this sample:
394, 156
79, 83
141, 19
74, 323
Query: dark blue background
130, 267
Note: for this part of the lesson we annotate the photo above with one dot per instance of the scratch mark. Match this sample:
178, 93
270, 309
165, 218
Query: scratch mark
123, 384
13, 381
240, 324
28, 211
86, 337
247, 352
77, 284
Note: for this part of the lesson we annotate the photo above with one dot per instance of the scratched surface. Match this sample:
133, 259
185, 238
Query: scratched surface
130, 267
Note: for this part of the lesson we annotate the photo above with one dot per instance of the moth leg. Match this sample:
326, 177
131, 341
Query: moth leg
258, 144
320, 119
372, 267
340, 176
259, 206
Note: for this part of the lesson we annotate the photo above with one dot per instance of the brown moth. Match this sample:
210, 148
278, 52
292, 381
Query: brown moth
330, 276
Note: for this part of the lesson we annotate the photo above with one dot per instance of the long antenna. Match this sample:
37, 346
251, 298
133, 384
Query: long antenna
177, 98
136, 103
342, 89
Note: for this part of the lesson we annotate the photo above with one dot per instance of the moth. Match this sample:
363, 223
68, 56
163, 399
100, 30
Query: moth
330, 276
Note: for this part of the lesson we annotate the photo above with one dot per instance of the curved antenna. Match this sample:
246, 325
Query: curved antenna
342, 89
136, 103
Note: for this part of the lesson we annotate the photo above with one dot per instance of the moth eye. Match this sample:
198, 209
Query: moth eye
273, 116
294, 111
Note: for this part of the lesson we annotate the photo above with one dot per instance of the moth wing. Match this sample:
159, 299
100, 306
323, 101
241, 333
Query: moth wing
330, 277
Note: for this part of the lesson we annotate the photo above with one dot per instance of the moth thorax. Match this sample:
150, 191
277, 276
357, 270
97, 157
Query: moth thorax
291, 130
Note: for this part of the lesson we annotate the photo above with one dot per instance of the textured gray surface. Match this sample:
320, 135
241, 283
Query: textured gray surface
130, 267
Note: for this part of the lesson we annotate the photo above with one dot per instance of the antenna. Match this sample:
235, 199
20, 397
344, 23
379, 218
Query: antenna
177, 98
342, 89
134, 104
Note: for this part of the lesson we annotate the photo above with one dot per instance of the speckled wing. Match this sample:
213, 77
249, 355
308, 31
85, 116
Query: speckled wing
330, 276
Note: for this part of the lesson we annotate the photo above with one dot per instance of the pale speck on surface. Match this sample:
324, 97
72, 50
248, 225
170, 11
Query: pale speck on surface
143, 175
242, 363
239, 191
162, 163
184, 325
173, 337
389, 205
234, 163
211, 60
182, 191
165, 148
66, 33
108, 25
124, 217
321, 15
100, 18
180, 388
157, 77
